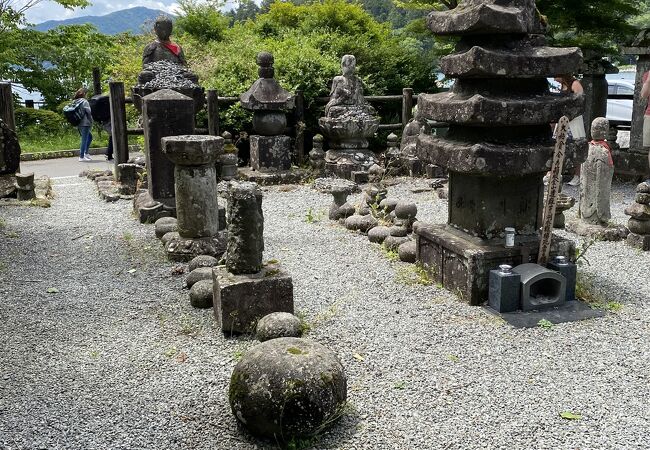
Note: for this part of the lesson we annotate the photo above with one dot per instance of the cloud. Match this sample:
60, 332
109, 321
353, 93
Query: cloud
48, 10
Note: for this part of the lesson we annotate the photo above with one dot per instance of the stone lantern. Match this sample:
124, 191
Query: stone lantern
270, 150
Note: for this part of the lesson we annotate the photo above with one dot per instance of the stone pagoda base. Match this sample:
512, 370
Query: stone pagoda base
462, 263
148, 210
270, 152
639, 241
273, 177
597, 232
241, 300
183, 249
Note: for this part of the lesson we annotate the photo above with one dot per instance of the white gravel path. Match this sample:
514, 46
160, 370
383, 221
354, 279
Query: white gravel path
120, 360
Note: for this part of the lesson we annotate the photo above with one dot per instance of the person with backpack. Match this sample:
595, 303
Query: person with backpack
82, 106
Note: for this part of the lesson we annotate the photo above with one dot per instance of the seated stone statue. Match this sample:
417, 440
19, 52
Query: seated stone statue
596, 176
163, 49
347, 93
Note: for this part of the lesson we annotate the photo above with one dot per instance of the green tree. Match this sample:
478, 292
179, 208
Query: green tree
59, 61
202, 20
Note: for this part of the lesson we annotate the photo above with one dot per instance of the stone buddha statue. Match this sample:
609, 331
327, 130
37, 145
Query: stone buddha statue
163, 49
346, 96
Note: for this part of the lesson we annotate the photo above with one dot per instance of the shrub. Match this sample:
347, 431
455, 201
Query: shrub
40, 121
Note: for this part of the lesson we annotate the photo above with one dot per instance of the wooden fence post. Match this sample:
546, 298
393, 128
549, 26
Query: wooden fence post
213, 112
407, 106
118, 125
7, 106
97, 81
299, 116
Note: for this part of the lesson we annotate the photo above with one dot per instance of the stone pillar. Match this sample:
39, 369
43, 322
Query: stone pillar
195, 191
639, 223
245, 229
9, 148
164, 113
245, 289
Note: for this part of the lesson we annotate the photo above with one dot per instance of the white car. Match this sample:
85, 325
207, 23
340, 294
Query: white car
620, 110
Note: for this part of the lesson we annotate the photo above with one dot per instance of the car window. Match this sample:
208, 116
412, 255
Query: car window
624, 90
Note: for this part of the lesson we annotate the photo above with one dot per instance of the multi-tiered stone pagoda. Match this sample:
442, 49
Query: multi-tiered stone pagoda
499, 143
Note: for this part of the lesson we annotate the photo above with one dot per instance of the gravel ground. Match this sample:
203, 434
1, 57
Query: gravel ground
118, 359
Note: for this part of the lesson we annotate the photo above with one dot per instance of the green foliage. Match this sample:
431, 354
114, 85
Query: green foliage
202, 20
39, 121
546, 324
594, 25
59, 61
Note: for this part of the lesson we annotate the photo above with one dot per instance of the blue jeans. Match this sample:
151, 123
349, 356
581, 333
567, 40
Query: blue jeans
86, 139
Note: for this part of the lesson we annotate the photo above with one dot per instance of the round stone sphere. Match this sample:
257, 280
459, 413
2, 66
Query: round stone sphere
287, 387
378, 234
198, 274
269, 123
165, 225
201, 294
277, 325
406, 210
202, 261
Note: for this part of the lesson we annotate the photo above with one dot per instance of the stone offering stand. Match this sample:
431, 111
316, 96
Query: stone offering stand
499, 143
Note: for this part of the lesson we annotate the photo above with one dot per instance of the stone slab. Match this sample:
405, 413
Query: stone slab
640, 241
572, 311
293, 176
628, 164
491, 159
461, 263
241, 300
270, 152
597, 232
521, 63
503, 110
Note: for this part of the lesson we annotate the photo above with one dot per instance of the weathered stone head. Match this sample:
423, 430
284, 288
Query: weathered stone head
163, 28
599, 128
348, 65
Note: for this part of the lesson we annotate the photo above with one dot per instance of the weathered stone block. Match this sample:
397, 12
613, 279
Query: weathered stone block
270, 152
640, 241
241, 300
360, 177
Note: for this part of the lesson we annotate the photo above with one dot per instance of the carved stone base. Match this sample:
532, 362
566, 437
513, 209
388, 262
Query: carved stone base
270, 152
241, 300
597, 232
147, 210
274, 177
462, 263
343, 162
640, 241
185, 249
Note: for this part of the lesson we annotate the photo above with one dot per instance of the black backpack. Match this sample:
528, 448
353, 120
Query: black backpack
74, 112
100, 108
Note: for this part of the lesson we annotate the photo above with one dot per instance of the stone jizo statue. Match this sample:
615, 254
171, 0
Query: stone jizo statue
163, 49
596, 176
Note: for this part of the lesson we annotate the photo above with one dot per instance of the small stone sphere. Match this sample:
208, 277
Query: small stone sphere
198, 274
416, 226
388, 204
346, 210
398, 231
367, 223
165, 225
354, 223
393, 242
277, 325
643, 188
378, 234
201, 294
169, 236
202, 261
406, 210
406, 252
287, 387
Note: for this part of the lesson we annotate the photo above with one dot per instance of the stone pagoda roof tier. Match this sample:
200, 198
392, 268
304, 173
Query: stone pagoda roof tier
487, 17
501, 110
489, 159
482, 62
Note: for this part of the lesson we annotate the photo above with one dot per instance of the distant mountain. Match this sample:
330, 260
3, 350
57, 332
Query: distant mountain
131, 19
